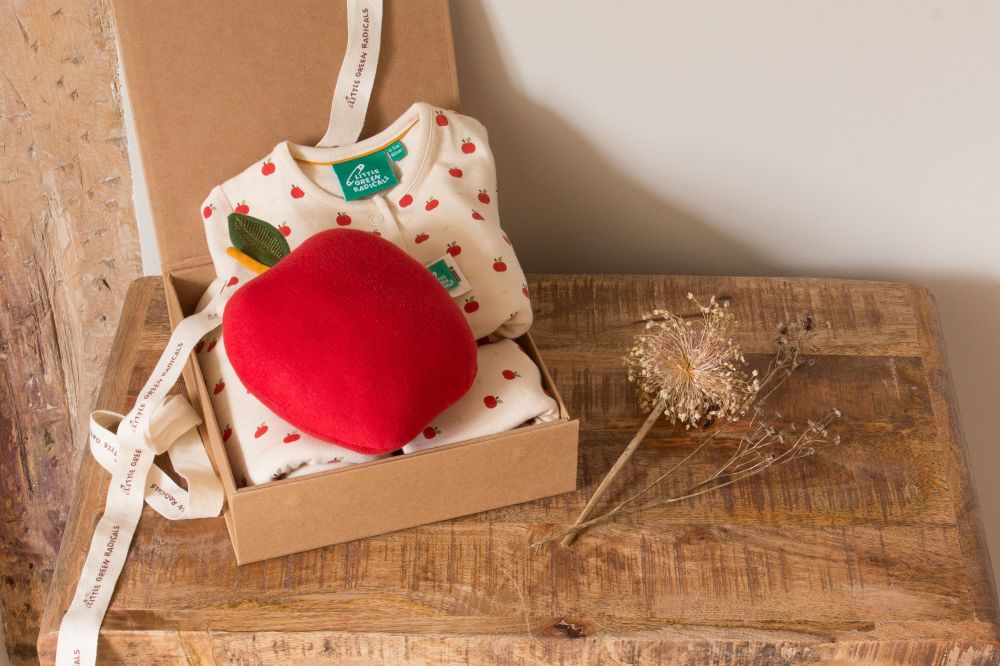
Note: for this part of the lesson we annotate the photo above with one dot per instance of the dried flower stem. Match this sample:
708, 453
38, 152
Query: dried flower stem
616, 469
779, 370
746, 462
690, 373
752, 455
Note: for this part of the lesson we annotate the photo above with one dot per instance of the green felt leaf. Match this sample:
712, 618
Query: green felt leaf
258, 239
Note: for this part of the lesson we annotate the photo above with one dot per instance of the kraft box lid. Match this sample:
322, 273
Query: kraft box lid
215, 85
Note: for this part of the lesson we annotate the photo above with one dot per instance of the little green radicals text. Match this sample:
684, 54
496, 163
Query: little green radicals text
364, 181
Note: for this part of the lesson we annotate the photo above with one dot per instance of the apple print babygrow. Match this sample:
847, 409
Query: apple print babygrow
443, 207
442, 212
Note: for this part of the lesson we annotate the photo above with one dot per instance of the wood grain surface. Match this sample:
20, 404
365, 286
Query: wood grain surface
68, 252
871, 552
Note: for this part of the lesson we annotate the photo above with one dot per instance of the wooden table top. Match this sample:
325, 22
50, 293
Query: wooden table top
872, 551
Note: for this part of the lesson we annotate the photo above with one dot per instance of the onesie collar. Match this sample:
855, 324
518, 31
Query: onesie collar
420, 113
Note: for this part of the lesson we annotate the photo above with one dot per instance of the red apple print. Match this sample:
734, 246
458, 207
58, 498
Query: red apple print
454, 249
198, 347
211, 345
343, 219
440, 118
260, 431
242, 208
291, 437
285, 230
405, 201
498, 265
471, 305
491, 401
267, 168
510, 374
420, 238
468, 147
431, 431
524, 290
431, 204
219, 387
505, 239
233, 281
455, 172
297, 192
227, 432
484, 196
477, 216
207, 211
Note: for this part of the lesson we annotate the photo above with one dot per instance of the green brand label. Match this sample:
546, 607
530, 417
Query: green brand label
442, 271
365, 175
450, 276
396, 151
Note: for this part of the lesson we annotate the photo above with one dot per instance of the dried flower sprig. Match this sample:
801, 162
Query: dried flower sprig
760, 449
756, 451
693, 368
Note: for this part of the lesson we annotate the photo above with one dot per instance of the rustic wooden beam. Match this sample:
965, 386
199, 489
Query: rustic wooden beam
68, 252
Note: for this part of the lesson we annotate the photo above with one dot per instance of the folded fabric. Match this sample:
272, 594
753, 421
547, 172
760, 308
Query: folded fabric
506, 393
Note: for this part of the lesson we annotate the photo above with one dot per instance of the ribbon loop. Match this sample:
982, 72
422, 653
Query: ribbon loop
175, 431
155, 424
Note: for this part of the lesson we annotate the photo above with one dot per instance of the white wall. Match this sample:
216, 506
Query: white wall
854, 139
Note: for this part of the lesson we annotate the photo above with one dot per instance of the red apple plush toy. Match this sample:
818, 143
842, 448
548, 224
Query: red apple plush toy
351, 340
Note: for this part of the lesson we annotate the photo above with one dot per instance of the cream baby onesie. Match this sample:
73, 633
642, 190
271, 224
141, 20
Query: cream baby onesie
444, 205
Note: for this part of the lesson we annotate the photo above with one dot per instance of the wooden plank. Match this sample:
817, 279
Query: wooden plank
68, 251
868, 553
587, 314
91, 480
781, 577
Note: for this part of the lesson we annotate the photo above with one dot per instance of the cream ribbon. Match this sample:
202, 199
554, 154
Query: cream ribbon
176, 422
156, 424
357, 73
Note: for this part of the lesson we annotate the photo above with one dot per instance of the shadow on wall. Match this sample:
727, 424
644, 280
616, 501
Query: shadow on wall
574, 211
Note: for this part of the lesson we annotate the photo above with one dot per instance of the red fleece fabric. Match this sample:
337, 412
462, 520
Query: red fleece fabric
351, 340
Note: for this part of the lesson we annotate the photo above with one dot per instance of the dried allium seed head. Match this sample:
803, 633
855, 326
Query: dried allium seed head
695, 368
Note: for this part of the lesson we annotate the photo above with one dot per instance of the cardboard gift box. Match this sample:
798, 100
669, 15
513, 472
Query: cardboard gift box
213, 86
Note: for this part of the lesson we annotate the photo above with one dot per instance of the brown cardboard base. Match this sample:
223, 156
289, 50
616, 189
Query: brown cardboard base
270, 520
